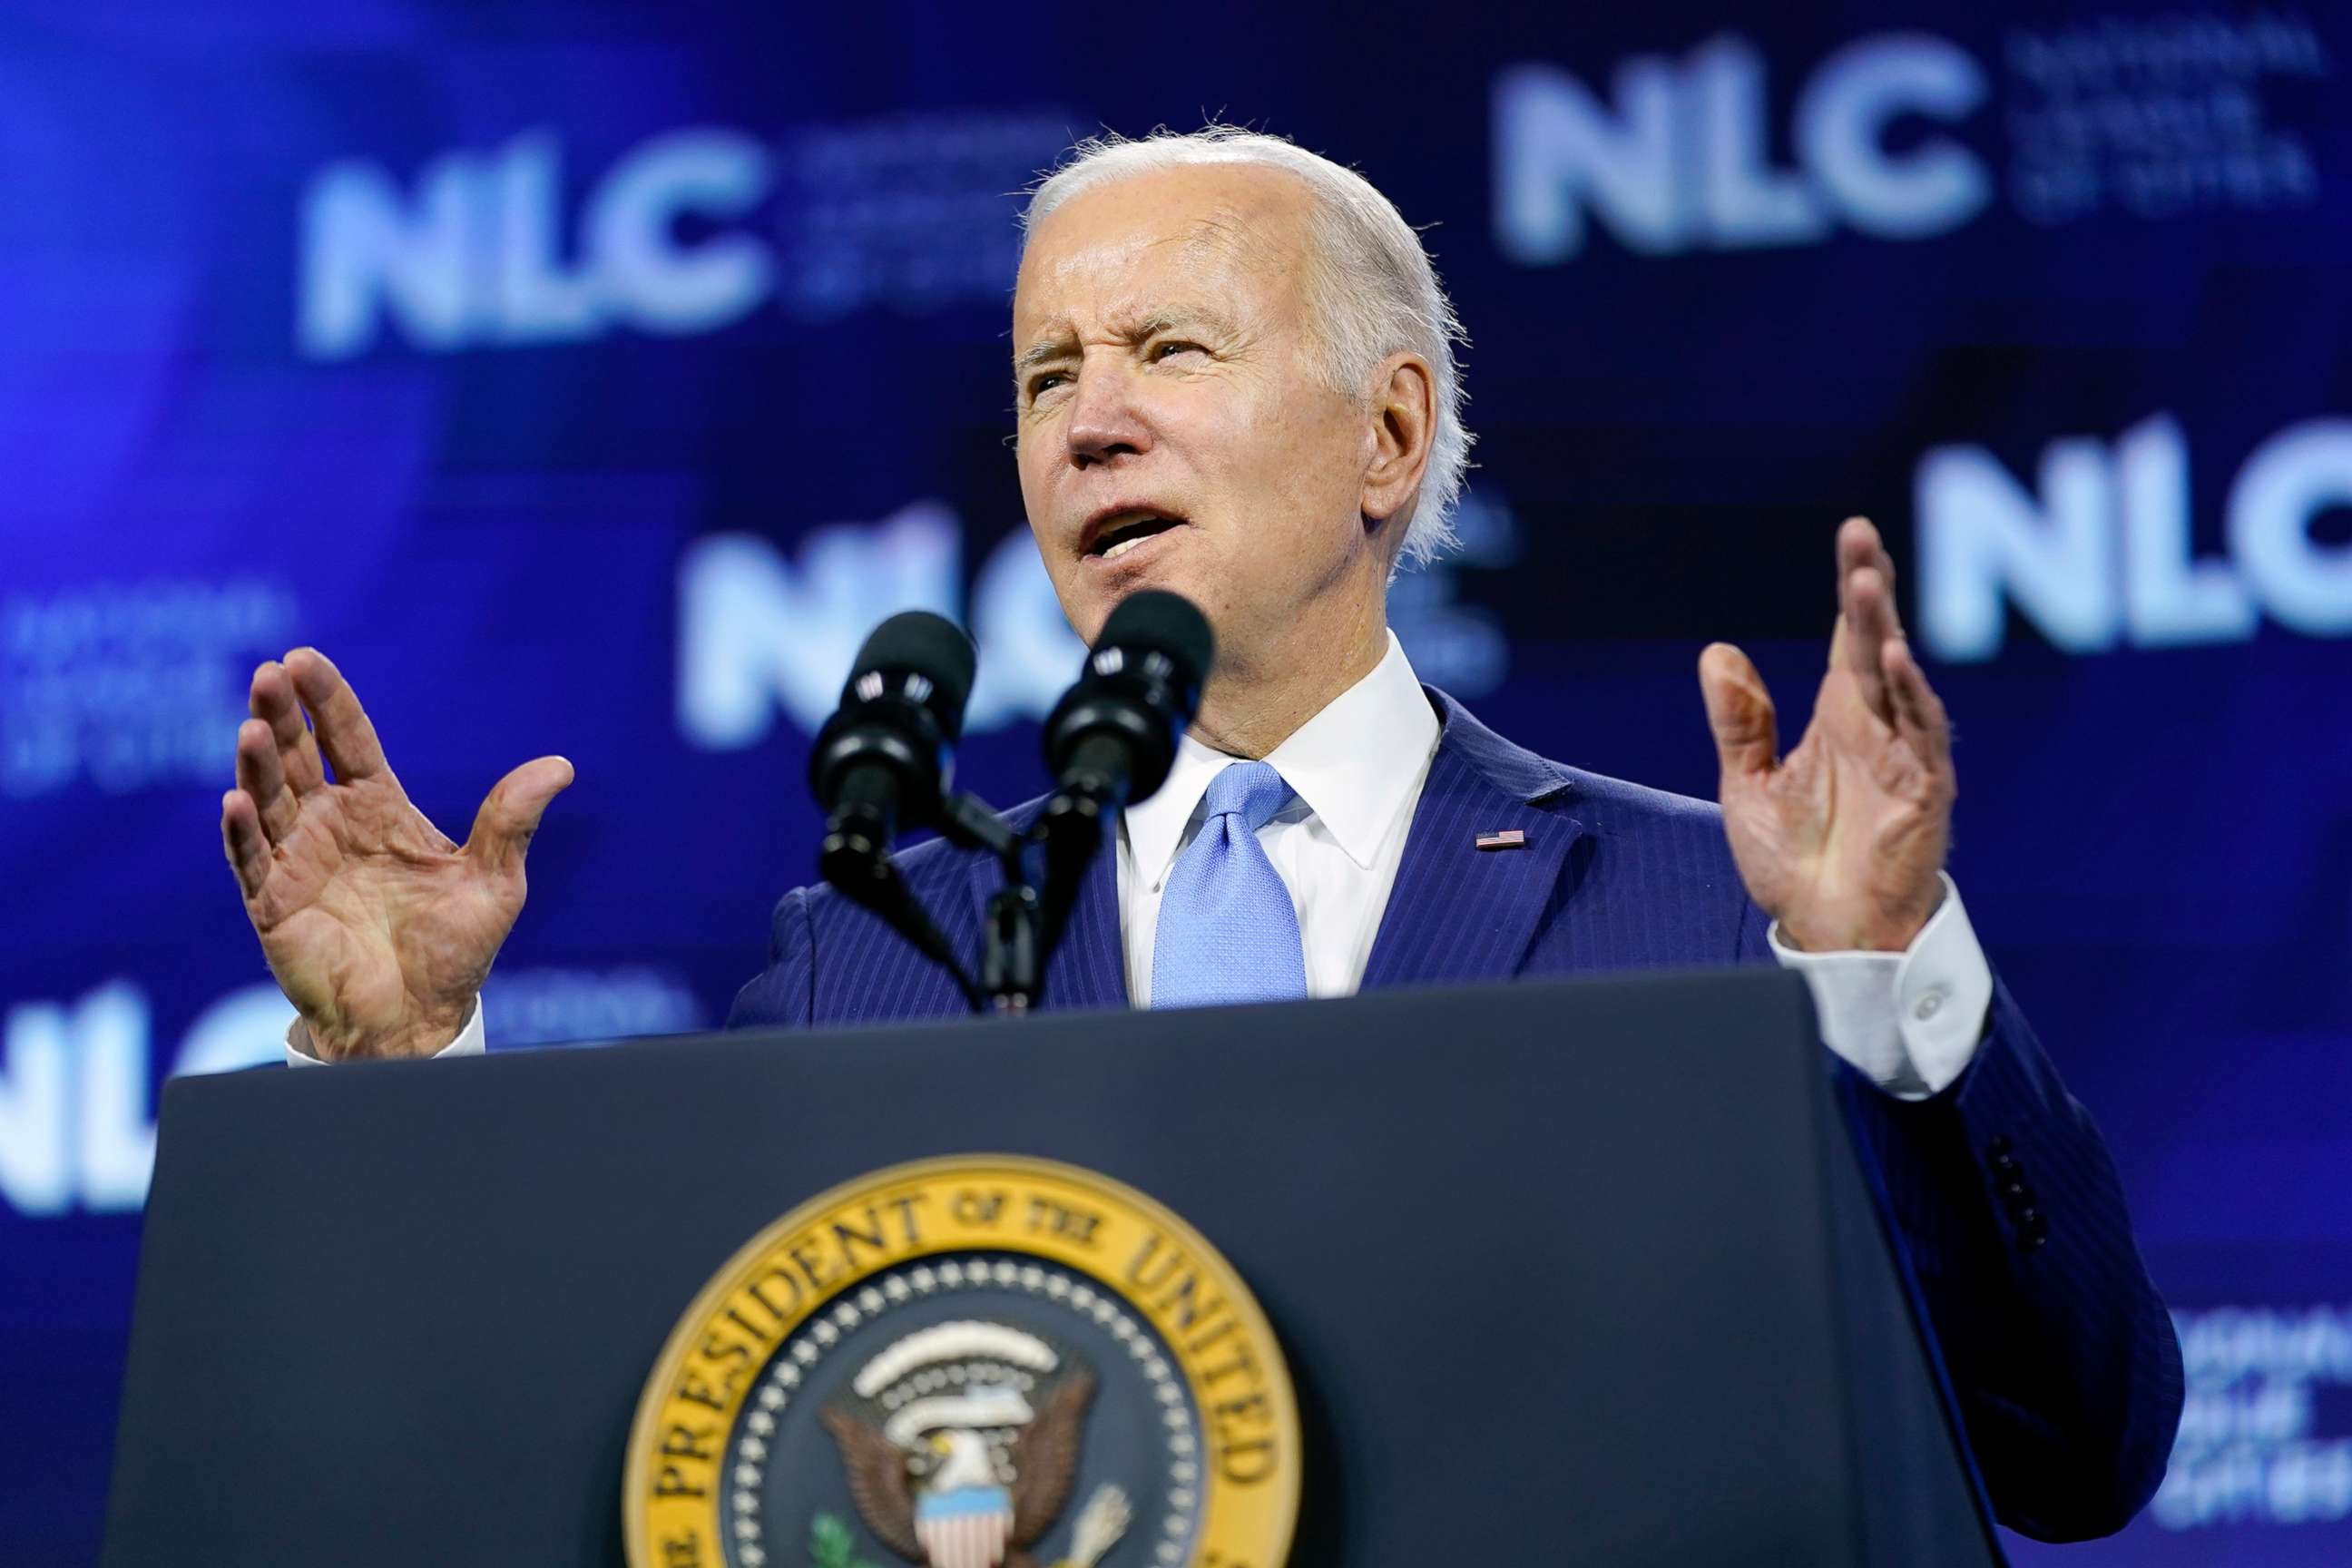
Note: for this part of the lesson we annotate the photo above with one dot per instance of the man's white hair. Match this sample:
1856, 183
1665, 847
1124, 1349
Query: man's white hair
1371, 288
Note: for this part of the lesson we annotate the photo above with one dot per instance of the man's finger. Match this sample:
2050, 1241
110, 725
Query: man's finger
272, 701
1862, 529
1919, 715
1863, 597
511, 814
1740, 712
249, 853
345, 735
259, 775
1858, 545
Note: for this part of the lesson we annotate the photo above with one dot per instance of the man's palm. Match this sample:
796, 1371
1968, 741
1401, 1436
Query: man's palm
377, 926
1842, 840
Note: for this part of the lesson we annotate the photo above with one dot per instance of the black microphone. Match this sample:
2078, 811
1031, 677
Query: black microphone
1111, 740
1113, 735
885, 757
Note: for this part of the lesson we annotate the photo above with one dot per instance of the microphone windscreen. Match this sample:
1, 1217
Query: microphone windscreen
919, 642
1164, 623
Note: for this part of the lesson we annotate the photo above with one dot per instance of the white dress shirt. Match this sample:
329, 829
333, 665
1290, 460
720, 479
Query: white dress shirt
1908, 1021
1355, 771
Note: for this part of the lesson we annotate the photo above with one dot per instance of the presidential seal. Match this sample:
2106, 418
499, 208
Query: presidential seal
967, 1363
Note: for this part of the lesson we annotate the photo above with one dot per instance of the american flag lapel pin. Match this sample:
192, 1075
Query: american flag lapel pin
1509, 838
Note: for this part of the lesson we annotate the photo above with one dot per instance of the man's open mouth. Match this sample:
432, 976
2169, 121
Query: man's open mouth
1117, 535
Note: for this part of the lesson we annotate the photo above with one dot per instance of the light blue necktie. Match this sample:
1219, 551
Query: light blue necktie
1227, 930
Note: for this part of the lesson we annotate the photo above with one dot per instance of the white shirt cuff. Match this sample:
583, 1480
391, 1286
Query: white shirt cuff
469, 1042
1910, 1021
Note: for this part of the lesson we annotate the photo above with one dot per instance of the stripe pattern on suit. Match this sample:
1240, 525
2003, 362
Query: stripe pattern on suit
2059, 1350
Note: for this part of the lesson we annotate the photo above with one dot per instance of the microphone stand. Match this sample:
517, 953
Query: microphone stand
1071, 828
1021, 930
1112, 730
1013, 945
859, 865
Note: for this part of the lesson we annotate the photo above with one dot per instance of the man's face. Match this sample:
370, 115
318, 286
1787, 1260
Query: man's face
1173, 431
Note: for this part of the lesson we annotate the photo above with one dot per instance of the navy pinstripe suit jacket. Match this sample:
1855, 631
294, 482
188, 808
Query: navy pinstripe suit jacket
2060, 1351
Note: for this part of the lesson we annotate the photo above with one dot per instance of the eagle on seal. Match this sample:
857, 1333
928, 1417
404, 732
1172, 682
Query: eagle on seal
961, 1515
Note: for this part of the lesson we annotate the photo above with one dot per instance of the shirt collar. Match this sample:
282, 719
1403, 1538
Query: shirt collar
1354, 764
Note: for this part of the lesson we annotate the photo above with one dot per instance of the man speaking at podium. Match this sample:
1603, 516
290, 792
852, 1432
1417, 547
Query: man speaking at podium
1235, 379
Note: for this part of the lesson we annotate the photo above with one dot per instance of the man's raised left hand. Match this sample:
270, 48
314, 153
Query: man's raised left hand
1841, 841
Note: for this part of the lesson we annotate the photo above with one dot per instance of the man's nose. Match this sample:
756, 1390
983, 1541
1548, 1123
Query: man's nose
1106, 421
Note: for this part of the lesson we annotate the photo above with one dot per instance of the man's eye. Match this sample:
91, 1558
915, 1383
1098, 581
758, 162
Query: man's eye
1044, 384
1161, 350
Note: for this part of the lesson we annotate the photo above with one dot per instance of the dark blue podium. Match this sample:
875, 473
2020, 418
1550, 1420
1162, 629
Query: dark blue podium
1577, 1272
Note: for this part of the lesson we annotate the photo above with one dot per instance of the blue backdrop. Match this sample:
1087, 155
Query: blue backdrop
588, 378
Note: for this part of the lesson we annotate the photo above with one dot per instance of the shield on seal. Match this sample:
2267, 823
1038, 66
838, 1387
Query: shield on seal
964, 1528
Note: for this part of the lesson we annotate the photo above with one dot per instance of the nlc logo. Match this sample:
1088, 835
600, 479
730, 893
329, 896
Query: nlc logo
759, 632
688, 231
1680, 159
2101, 554
765, 633
74, 1130
479, 254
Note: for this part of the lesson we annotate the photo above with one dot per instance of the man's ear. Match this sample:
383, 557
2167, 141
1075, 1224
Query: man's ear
1403, 415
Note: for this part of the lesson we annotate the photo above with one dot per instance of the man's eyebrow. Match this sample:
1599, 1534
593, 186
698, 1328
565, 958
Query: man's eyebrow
1046, 351
1042, 352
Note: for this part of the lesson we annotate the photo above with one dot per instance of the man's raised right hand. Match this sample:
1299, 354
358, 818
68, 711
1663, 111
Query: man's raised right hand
378, 928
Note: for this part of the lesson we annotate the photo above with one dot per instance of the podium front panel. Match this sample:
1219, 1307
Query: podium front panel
1567, 1271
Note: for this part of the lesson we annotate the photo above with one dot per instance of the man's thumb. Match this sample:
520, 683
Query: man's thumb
1739, 710
510, 813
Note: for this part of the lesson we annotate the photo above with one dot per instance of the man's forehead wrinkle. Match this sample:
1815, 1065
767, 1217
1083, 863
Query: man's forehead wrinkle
1109, 255
1144, 272
1250, 238
1226, 232
1143, 319
1063, 286
1128, 308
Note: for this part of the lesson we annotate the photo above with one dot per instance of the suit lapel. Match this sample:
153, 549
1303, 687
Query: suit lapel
1458, 913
